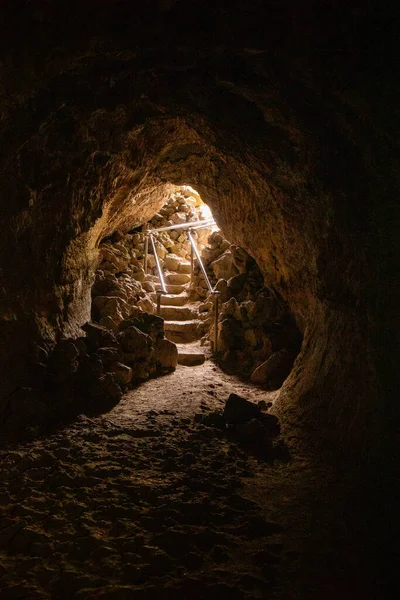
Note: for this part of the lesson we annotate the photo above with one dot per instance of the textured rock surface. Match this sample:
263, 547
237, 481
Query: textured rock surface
292, 143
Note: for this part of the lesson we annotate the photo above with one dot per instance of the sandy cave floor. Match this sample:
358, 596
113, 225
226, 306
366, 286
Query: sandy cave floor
144, 503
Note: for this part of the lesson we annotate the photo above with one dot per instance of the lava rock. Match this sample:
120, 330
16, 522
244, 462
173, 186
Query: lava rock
251, 432
122, 373
274, 370
149, 324
135, 343
166, 354
239, 410
98, 337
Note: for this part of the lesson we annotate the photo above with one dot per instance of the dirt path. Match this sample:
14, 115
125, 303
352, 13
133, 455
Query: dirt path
143, 503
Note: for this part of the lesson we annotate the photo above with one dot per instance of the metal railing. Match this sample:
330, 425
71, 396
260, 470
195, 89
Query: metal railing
194, 254
163, 289
212, 291
189, 225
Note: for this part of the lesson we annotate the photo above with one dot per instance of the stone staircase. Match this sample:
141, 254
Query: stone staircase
180, 318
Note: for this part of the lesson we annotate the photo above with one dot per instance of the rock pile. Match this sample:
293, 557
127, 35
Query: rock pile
96, 369
248, 424
89, 374
257, 334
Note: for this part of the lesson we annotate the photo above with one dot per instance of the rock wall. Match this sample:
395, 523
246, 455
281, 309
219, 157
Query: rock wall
257, 335
295, 155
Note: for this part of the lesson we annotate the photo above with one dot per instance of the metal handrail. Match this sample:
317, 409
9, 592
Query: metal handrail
190, 224
212, 291
163, 289
194, 252
197, 253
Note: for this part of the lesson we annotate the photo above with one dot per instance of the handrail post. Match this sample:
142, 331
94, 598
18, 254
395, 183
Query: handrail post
162, 289
146, 252
215, 293
159, 293
216, 308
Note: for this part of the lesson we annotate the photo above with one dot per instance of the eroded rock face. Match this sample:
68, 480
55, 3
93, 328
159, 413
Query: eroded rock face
255, 324
295, 157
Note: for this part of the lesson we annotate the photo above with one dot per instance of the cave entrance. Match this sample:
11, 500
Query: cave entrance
209, 292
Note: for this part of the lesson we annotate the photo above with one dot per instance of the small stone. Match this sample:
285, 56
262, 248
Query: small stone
122, 373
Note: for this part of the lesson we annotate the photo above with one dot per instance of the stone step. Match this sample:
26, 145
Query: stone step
150, 277
177, 313
184, 331
171, 299
172, 288
177, 278
191, 359
184, 267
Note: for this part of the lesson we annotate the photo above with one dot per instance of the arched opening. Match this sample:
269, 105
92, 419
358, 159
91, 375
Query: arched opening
281, 117
256, 335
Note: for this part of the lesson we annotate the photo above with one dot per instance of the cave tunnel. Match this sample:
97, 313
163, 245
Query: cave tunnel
195, 482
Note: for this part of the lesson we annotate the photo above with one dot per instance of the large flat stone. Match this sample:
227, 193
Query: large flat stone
177, 278
171, 299
191, 359
177, 313
184, 331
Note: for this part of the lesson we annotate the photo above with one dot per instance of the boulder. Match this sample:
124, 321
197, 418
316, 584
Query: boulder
98, 336
107, 392
109, 323
139, 274
136, 343
222, 287
239, 410
267, 308
251, 432
108, 356
166, 354
146, 305
223, 267
115, 307
230, 334
122, 373
237, 283
149, 286
142, 370
230, 309
150, 324
216, 239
